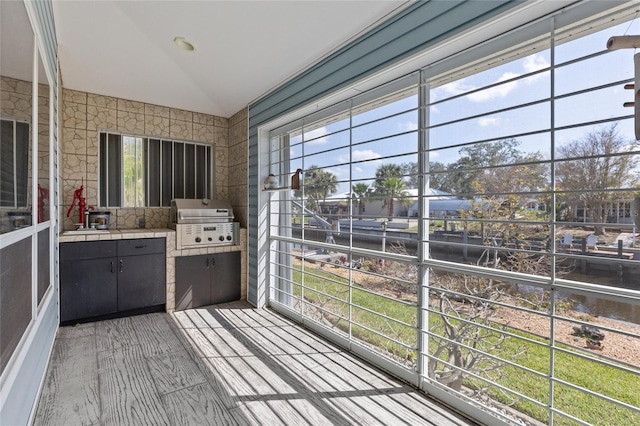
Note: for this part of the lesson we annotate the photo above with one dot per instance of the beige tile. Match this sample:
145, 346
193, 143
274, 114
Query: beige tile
100, 118
12, 85
73, 96
156, 126
102, 101
74, 141
157, 111
73, 167
181, 115
130, 106
203, 119
130, 122
16, 105
202, 133
220, 122
181, 129
74, 115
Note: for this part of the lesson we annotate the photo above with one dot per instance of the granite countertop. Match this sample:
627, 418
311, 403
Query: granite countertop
113, 234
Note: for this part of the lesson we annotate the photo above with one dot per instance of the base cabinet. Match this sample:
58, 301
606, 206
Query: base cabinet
207, 279
100, 278
88, 288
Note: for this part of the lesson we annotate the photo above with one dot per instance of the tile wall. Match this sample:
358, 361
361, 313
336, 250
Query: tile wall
85, 114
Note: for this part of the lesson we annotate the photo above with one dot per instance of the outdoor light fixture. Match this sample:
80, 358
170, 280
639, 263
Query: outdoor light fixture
630, 42
184, 44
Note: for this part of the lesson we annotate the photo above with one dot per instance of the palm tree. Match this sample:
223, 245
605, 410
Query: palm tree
360, 190
392, 187
384, 172
318, 185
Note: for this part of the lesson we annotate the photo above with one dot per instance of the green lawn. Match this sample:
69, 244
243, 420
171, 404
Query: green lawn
612, 382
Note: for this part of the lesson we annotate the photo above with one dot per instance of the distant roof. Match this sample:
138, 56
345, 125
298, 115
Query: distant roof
433, 194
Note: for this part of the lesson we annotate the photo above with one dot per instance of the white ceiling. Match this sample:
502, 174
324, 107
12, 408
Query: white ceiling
243, 48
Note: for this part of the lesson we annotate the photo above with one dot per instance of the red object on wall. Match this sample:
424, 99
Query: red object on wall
82, 204
43, 194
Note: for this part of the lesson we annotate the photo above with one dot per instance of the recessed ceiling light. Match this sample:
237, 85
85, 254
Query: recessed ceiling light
184, 44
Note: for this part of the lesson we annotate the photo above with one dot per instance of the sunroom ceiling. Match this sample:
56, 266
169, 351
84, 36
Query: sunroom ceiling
125, 49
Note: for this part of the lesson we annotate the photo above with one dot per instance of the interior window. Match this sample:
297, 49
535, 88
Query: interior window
136, 171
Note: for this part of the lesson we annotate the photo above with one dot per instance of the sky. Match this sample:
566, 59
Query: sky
479, 112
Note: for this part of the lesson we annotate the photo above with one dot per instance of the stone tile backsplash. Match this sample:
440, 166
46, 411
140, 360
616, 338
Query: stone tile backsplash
85, 114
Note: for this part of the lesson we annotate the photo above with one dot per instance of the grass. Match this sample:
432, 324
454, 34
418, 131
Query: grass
607, 380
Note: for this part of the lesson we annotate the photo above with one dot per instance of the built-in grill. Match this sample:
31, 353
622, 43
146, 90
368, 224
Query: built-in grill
203, 223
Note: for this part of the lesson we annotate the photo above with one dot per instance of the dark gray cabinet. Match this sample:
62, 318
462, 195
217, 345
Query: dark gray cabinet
207, 279
99, 278
141, 273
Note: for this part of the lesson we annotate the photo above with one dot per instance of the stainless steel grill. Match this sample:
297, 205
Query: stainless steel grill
203, 223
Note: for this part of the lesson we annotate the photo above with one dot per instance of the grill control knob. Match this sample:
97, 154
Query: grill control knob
198, 239
229, 237
210, 239
221, 238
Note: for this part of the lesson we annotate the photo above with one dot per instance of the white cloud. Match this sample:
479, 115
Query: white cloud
408, 126
359, 155
457, 87
500, 91
489, 121
530, 64
534, 63
316, 133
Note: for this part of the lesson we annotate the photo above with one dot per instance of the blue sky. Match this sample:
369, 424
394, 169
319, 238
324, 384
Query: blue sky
510, 90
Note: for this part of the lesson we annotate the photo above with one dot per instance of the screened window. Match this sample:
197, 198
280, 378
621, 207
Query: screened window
14, 163
138, 171
472, 230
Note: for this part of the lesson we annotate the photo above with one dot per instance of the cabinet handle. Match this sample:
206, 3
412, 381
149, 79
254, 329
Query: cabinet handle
208, 262
141, 246
213, 262
121, 264
111, 266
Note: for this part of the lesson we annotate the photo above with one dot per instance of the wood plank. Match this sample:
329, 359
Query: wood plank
109, 360
68, 401
304, 340
294, 412
285, 340
191, 318
74, 357
355, 369
247, 378
115, 334
208, 366
218, 342
129, 396
198, 405
363, 411
155, 335
428, 408
174, 371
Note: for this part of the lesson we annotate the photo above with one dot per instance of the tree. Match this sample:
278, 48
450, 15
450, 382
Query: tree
361, 191
466, 322
497, 167
438, 173
410, 171
317, 185
384, 172
392, 188
594, 169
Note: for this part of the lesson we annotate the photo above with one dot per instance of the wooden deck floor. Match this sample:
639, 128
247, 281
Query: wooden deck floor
224, 365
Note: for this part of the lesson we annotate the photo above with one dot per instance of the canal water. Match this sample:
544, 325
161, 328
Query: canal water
598, 306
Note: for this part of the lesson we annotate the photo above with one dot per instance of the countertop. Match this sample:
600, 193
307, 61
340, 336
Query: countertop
114, 234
